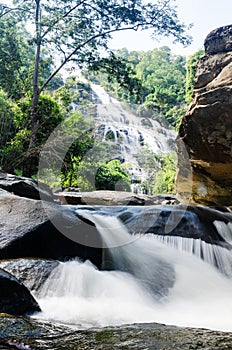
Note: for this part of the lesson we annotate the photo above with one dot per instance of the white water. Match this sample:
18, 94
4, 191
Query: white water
129, 131
128, 126
209, 253
77, 293
224, 229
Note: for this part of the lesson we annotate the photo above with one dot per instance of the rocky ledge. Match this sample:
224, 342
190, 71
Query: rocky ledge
114, 198
22, 333
206, 129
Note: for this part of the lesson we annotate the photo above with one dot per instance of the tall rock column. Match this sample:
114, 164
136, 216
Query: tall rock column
206, 129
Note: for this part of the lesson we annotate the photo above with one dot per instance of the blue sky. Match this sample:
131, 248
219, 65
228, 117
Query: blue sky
206, 15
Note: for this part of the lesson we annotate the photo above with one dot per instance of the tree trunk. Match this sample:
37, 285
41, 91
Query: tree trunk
27, 168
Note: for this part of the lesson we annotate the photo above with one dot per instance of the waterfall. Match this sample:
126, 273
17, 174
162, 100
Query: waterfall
130, 133
193, 293
127, 253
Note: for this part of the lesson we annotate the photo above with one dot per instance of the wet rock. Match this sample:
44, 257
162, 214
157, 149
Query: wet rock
42, 336
25, 187
38, 229
15, 298
32, 273
205, 132
191, 222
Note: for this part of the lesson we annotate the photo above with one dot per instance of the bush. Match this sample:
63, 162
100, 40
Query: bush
112, 177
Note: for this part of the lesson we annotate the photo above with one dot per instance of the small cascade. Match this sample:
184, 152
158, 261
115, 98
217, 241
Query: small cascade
209, 253
224, 229
133, 254
78, 294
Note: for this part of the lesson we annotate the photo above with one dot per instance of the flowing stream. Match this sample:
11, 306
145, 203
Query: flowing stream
153, 281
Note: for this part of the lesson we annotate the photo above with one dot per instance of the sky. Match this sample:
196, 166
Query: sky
205, 15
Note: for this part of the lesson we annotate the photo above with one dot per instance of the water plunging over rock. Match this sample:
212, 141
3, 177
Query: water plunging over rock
127, 253
128, 132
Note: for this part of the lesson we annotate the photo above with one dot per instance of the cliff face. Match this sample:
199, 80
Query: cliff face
205, 135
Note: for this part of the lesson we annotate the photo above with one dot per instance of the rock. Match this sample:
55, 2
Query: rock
191, 222
15, 298
206, 129
219, 40
114, 198
25, 187
41, 336
38, 229
32, 273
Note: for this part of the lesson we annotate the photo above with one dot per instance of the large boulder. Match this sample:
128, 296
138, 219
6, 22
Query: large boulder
31, 272
25, 187
38, 229
206, 129
15, 298
194, 222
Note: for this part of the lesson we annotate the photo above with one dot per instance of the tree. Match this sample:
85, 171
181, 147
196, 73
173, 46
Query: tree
16, 60
8, 111
163, 76
49, 115
79, 30
16, 57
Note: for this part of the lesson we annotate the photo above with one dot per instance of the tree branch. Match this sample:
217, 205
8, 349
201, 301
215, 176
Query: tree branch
9, 9
59, 19
135, 27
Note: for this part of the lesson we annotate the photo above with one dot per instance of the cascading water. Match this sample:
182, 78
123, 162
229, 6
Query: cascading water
127, 254
190, 292
118, 124
209, 253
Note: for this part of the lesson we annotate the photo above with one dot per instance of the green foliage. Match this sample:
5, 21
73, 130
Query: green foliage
88, 165
75, 92
49, 115
80, 31
150, 162
165, 178
117, 75
191, 67
8, 111
163, 77
74, 171
7, 115
16, 56
112, 176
